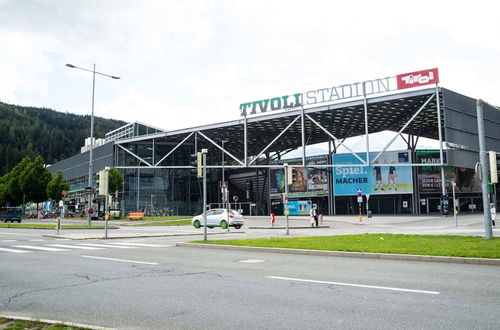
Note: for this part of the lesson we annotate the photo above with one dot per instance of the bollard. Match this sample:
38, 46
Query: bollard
58, 225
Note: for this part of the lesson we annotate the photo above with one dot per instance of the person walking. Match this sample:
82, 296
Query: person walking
314, 215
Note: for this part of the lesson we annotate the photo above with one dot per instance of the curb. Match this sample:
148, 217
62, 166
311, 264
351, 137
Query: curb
138, 236
48, 228
409, 257
72, 324
283, 227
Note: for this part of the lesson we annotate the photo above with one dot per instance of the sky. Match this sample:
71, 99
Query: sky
189, 63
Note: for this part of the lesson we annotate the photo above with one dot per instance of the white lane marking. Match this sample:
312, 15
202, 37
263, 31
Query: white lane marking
37, 240
7, 233
75, 247
140, 244
43, 248
353, 285
9, 240
14, 251
107, 246
123, 260
251, 261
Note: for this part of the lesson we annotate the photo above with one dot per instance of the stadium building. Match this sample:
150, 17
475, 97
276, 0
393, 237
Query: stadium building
248, 155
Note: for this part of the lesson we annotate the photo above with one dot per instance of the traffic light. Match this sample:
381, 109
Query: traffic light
102, 182
289, 174
197, 161
493, 166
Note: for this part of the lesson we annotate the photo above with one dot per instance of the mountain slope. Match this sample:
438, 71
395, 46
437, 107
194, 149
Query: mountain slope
30, 131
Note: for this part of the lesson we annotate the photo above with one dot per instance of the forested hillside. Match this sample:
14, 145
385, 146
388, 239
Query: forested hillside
30, 131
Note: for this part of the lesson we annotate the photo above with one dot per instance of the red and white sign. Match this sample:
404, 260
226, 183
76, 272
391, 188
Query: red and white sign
418, 78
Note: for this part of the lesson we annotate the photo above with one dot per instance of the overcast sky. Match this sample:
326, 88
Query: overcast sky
188, 63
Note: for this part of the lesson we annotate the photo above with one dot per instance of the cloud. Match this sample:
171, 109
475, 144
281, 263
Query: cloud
192, 62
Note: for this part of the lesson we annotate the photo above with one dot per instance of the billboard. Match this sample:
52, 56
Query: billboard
385, 177
299, 207
307, 181
429, 177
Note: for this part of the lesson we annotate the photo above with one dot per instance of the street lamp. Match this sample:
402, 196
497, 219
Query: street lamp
94, 72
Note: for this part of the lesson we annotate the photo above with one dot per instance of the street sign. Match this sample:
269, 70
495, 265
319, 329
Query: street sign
360, 192
235, 198
360, 199
91, 210
88, 190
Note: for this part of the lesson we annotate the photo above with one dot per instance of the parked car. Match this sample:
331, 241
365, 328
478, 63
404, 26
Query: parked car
218, 218
11, 214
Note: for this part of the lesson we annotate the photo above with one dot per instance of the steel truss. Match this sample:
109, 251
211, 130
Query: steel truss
194, 137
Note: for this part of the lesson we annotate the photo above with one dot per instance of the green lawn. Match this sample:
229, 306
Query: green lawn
162, 223
454, 246
51, 226
10, 324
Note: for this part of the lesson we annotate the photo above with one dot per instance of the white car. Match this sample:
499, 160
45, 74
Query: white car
218, 218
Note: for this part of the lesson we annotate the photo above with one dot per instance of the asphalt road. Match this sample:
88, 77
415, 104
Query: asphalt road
148, 283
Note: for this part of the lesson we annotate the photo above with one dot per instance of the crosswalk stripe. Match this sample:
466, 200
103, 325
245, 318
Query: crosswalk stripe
14, 251
75, 247
42, 248
108, 246
9, 240
140, 244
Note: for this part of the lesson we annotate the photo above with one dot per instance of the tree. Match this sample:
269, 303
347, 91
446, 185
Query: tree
12, 191
56, 186
115, 180
3, 191
34, 180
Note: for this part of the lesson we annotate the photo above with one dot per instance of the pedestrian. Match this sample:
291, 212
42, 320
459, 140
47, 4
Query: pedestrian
314, 215
311, 216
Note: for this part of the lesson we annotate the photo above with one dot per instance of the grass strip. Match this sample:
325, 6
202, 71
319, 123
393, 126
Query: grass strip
10, 324
51, 226
162, 223
452, 246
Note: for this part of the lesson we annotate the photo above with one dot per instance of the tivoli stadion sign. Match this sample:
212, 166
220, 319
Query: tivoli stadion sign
342, 92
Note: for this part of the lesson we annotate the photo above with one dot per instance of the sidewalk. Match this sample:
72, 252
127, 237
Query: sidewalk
260, 226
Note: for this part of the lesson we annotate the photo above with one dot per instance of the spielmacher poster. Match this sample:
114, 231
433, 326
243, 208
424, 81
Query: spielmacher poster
384, 177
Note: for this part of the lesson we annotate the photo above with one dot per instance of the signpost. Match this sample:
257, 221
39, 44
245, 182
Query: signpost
360, 202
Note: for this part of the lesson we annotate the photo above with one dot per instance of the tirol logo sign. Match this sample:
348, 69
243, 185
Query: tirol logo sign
418, 78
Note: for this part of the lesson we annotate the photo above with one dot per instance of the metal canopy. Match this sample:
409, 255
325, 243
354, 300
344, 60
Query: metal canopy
279, 132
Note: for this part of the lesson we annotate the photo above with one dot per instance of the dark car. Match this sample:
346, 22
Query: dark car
11, 214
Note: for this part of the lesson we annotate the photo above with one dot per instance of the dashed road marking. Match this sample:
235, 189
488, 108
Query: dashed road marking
42, 248
108, 246
353, 285
140, 244
78, 247
123, 260
13, 250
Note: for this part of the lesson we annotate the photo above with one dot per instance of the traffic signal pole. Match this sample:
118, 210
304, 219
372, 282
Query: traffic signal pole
204, 154
287, 211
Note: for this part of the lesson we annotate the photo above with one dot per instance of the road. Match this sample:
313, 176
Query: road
149, 283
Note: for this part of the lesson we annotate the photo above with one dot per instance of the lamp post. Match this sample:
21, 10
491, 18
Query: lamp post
94, 72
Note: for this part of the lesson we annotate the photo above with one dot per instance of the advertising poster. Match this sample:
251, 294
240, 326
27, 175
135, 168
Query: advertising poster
384, 177
299, 207
429, 177
307, 181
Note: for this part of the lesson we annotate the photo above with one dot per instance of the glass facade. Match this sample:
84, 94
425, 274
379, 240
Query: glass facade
165, 191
